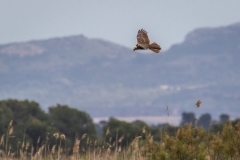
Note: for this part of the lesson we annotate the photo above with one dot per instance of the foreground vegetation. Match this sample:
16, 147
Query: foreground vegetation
189, 143
59, 135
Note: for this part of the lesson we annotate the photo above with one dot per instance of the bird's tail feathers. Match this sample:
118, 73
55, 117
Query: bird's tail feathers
154, 47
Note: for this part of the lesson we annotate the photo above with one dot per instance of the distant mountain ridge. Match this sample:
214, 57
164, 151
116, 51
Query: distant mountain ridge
222, 39
106, 79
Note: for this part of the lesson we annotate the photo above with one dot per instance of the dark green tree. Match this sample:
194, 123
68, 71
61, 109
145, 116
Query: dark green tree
219, 127
120, 128
205, 121
128, 130
224, 118
70, 121
29, 121
6, 115
188, 118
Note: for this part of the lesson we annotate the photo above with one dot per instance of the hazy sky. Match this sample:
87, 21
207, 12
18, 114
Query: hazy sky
167, 22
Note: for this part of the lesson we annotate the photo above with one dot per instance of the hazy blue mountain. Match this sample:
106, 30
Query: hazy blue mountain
106, 79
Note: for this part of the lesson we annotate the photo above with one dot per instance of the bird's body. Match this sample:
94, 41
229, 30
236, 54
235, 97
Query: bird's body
144, 43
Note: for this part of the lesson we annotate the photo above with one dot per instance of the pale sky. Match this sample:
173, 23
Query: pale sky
167, 22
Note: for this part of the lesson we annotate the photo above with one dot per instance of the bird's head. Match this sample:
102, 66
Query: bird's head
134, 48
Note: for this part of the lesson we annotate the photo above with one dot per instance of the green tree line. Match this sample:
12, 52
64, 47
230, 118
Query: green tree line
32, 125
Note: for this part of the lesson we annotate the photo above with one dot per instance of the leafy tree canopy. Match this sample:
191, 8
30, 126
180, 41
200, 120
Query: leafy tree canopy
71, 121
30, 122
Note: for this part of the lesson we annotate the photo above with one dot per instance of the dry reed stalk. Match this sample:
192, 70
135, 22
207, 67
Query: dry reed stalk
53, 149
32, 150
134, 142
38, 140
163, 145
2, 140
109, 150
144, 130
56, 135
10, 123
108, 131
2, 153
119, 149
21, 154
27, 145
62, 136
116, 142
110, 139
23, 144
83, 136
76, 146
121, 139
47, 143
9, 132
52, 152
150, 139
88, 140
135, 150
12, 155
39, 152
9, 150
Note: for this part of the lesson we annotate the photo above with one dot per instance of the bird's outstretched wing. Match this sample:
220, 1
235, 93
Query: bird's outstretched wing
142, 38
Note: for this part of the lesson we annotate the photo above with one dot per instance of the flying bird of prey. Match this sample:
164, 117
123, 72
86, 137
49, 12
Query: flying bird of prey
198, 103
144, 43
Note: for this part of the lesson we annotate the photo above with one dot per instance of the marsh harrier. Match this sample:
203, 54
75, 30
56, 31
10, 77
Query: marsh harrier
144, 43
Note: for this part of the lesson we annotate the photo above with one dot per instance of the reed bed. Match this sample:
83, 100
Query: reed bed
190, 142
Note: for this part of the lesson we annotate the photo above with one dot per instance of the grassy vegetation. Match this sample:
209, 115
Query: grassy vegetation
188, 143
120, 141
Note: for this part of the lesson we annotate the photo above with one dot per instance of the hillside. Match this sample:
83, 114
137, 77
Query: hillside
105, 79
